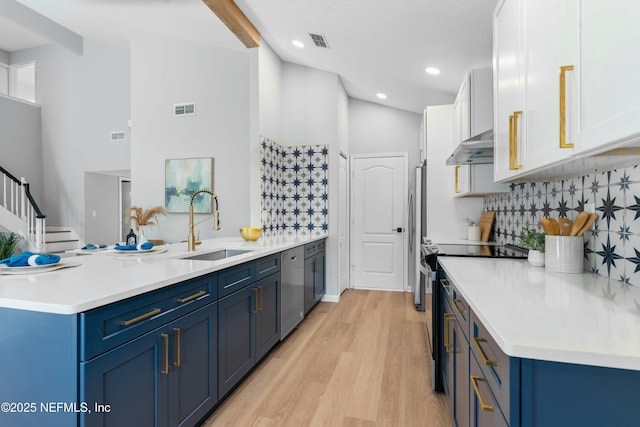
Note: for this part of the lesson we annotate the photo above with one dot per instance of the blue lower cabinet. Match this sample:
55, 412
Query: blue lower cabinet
249, 327
484, 409
166, 377
236, 325
268, 315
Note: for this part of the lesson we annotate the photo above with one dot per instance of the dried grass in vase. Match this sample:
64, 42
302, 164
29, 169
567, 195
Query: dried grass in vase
145, 217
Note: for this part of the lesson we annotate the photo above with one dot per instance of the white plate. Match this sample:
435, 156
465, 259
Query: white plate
154, 250
36, 269
27, 267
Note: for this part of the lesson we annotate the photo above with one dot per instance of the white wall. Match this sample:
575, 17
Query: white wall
446, 215
21, 143
83, 99
4, 57
313, 113
166, 71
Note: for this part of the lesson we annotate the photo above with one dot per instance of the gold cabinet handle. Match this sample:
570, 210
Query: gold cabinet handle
165, 371
176, 331
456, 306
141, 317
448, 347
192, 297
255, 301
474, 381
563, 107
515, 140
483, 355
261, 294
511, 162
457, 179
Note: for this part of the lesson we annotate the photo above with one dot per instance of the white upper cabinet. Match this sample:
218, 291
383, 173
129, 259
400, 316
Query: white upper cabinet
508, 35
610, 73
566, 84
552, 66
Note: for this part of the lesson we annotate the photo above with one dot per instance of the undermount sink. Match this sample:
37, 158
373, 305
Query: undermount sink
218, 255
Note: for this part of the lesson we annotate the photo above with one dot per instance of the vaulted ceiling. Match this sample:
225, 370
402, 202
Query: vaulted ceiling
374, 45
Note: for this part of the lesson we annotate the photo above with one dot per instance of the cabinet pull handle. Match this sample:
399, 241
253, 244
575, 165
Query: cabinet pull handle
178, 345
457, 179
456, 307
474, 382
448, 347
261, 293
563, 107
141, 317
511, 143
165, 371
483, 355
515, 140
192, 297
255, 301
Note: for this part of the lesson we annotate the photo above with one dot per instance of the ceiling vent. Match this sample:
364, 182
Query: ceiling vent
319, 40
117, 136
187, 109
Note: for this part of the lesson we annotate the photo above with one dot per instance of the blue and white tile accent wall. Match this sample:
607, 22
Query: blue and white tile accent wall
294, 189
612, 249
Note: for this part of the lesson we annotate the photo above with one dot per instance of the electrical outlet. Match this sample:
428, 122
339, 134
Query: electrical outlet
590, 207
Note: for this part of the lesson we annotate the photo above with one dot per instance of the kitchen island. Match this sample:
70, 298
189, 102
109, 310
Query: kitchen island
540, 348
144, 339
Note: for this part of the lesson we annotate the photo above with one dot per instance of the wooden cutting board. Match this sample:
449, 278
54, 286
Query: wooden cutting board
486, 223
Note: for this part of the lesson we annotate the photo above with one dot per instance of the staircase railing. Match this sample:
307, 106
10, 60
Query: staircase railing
17, 199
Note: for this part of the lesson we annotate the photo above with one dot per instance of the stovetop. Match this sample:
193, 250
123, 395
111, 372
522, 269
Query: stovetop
474, 250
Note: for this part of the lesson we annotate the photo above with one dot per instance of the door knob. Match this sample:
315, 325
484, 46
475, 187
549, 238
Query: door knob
399, 229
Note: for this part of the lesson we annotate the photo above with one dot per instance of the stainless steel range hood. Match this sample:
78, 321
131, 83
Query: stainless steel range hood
474, 151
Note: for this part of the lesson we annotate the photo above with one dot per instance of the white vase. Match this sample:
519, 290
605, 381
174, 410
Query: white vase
142, 238
536, 258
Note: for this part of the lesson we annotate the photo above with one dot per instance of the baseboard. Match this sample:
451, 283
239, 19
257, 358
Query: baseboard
331, 298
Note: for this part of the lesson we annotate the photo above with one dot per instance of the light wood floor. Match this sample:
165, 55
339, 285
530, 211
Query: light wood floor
362, 362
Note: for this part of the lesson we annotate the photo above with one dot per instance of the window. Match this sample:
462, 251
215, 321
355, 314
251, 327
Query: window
22, 81
4, 79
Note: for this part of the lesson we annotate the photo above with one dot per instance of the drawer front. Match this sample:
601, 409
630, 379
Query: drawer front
310, 249
235, 278
268, 265
493, 363
483, 407
461, 310
321, 245
107, 327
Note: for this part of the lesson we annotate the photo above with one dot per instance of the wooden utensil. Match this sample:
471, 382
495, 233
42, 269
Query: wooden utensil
581, 219
565, 226
486, 222
587, 225
546, 225
555, 226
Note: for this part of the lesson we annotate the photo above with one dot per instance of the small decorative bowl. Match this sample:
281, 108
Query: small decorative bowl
251, 234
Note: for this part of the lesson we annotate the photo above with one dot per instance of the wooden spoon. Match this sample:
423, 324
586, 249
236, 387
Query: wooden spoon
587, 225
581, 219
555, 226
546, 225
565, 226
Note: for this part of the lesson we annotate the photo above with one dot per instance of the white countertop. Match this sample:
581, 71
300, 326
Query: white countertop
531, 313
103, 278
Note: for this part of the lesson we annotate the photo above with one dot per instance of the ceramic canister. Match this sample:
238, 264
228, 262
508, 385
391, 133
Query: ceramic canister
564, 254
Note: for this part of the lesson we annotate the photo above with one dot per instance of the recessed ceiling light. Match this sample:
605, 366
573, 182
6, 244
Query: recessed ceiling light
433, 71
381, 95
298, 44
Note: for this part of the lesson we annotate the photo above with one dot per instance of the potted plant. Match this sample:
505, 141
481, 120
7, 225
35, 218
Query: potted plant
8, 243
144, 218
533, 240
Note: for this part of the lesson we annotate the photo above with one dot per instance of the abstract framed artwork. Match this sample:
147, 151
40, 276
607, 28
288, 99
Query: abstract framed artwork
182, 178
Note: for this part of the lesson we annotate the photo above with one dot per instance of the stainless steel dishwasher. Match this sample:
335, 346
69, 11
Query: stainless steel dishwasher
292, 290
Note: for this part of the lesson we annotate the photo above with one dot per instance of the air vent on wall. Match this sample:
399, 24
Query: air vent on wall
319, 40
117, 136
187, 109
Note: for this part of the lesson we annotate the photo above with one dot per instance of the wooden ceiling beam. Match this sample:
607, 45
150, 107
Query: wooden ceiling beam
229, 13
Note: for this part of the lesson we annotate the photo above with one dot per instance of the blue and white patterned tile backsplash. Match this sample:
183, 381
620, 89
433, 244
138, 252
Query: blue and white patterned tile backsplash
612, 249
294, 189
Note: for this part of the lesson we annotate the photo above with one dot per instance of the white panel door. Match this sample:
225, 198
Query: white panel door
378, 200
